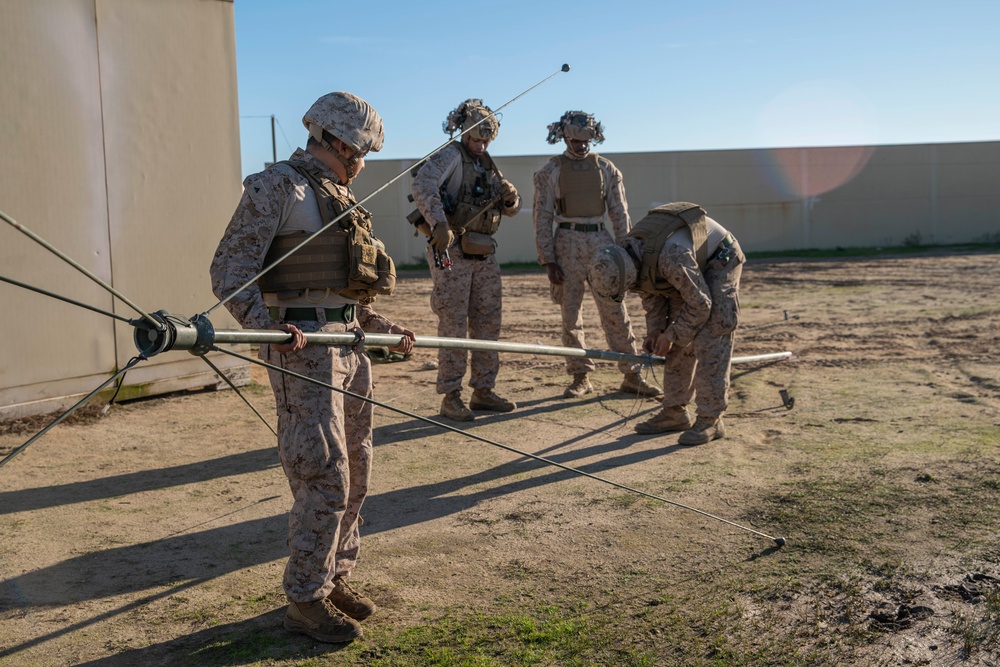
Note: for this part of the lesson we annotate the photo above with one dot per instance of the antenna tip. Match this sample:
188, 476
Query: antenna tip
565, 67
780, 541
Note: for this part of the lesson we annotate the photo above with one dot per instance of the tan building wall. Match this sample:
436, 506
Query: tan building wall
780, 199
120, 146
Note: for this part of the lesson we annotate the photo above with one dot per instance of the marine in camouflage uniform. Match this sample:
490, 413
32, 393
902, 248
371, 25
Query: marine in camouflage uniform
324, 437
461, 194
687, 267
569, 229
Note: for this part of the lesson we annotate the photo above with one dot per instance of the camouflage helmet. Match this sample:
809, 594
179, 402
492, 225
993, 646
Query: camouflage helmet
612, 272
576, 125
467, 114
347, 117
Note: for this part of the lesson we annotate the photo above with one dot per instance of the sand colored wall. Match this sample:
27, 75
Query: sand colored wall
777, 199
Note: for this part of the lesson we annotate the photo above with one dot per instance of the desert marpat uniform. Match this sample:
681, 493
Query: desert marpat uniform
467, 298
324, 437
570, 241
698, 311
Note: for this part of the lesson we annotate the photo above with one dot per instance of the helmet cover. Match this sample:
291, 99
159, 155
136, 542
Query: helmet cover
347, 117
576, 125
612, 272
467, 114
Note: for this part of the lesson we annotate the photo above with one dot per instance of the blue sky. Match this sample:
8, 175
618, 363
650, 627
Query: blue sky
660, 76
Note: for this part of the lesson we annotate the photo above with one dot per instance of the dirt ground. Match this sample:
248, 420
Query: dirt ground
150, 535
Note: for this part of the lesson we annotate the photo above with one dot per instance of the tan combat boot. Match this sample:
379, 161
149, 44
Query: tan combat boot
580, 386
668, 420
321, 621
705, 429
633, 383
453, 407
347, 600
486, 399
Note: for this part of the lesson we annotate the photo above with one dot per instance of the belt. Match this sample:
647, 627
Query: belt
343, 314
477, 257
582, 227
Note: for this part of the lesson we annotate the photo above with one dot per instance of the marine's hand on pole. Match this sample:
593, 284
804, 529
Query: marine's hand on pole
662, 346
406, 344
297, 343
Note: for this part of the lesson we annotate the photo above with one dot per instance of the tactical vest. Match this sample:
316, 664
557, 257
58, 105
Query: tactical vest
346, 259
581, 187
654, 230
477, 207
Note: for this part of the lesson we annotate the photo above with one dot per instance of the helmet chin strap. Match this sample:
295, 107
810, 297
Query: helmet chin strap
317, 133
348, 162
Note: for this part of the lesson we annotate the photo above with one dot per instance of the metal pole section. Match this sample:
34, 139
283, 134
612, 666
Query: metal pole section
274, 144
392, 340
772, 356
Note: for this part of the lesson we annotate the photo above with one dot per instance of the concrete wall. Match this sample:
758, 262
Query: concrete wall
120, 146
777, 199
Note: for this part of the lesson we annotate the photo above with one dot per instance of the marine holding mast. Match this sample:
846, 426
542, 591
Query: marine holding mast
324, 437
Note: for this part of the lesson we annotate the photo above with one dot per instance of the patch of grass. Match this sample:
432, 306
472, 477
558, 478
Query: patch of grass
979, 632
516, 569
547, 634
201, 617
257, 602
910, 247
244, 649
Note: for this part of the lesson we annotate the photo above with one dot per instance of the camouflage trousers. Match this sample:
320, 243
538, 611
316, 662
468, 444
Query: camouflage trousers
467, 301
325, 447
573, 252
703, 367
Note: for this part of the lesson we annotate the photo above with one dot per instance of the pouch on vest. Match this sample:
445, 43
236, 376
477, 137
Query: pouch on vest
476, 219
477, 243
386, 281
364, 258
371, 269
